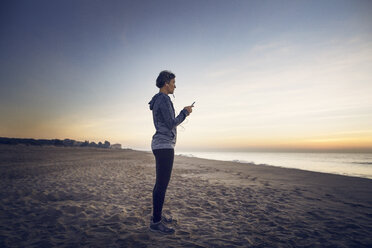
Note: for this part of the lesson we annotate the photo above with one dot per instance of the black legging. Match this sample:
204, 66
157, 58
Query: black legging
164, 164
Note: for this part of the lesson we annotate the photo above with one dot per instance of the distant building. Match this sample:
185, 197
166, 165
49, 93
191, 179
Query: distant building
115, 146
68, 142
77, 143
56, 142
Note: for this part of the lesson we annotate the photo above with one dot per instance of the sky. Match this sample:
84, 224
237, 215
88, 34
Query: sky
265, 75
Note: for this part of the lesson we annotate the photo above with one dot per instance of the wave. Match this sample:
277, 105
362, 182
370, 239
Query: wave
187, 155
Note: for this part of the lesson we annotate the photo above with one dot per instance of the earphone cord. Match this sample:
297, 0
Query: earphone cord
186, 118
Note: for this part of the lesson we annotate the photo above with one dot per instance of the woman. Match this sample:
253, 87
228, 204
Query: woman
162, 145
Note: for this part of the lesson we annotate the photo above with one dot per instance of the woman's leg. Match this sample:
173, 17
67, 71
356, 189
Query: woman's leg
164, 164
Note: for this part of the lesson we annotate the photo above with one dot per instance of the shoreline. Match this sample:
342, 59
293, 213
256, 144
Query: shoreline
284, 167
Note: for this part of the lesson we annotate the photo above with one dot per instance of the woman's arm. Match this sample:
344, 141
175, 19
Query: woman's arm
170, 121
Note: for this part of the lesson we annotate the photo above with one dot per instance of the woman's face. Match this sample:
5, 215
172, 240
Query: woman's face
171, 86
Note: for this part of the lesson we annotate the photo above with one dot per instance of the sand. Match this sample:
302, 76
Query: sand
94, 197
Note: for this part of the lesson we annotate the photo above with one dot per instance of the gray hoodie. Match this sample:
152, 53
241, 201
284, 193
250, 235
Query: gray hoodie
165, 121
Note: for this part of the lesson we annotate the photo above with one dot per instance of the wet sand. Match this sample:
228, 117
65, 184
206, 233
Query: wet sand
92, 197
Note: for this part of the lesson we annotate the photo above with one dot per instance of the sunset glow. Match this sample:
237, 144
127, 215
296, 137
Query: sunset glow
270, 76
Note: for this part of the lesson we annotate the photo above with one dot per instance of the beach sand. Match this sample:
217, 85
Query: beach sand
92, 197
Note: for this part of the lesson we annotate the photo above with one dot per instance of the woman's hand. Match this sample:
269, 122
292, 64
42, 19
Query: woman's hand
189, 109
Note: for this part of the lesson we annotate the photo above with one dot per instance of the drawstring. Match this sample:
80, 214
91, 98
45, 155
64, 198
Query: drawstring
186, 120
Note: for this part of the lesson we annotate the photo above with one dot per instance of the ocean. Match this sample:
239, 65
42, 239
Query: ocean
348, 164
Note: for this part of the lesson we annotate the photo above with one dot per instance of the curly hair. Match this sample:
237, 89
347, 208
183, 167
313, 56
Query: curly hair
163, 78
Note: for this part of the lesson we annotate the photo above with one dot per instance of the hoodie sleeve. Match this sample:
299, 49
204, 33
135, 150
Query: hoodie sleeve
167, 114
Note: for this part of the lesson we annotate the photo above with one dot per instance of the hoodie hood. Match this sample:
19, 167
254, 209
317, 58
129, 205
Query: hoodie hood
153, 100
